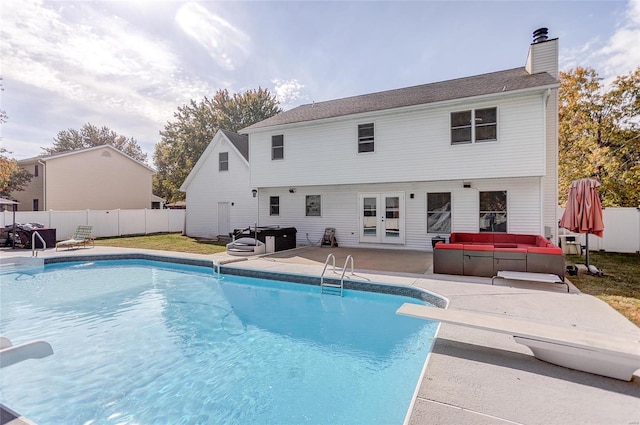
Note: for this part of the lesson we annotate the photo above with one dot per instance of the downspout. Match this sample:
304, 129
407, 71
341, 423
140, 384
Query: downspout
44, 185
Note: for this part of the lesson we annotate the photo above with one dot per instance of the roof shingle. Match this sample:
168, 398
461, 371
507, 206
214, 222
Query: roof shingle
495, 82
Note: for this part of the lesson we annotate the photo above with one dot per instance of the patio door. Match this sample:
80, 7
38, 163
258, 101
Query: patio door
224, 218
381, 217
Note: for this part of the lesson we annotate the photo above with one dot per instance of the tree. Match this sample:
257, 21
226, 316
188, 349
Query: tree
599, 135
13, 178
3, 114
89, 136
184, 139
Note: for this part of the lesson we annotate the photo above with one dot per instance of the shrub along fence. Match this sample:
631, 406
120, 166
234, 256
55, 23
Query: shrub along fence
105, 223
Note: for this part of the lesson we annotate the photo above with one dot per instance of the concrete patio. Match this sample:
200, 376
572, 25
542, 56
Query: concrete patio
474, 376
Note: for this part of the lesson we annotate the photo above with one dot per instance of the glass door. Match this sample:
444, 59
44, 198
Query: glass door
382, 217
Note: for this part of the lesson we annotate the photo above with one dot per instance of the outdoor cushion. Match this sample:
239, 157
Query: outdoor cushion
504, 238
540, 250
506, 245
441, 245
483, 238
478, 247
526, 239
461, 237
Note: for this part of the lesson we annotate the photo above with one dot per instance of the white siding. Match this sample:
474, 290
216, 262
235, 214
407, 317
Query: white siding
340, 209
210, 186
409, 146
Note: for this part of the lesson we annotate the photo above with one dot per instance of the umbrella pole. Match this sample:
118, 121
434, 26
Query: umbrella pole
586, 236
13, 235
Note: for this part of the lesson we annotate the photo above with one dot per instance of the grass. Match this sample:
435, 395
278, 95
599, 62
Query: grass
620, 285
165, 242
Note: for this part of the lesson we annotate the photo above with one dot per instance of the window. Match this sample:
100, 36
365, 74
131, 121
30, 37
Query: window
274, 205
223, 161
439, 212
36, 205
486, 121
35, 171
493, 211
365, 138
312, 206
484, 128
277, 147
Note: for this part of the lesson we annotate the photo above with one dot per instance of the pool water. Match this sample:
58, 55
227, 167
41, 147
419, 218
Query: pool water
140, 342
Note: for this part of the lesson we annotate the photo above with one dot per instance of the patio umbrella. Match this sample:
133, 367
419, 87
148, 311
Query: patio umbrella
584, 211
14, 203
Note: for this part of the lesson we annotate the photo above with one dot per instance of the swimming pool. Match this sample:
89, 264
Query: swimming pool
147, 342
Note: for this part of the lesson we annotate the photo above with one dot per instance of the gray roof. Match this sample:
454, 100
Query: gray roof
495, 82
241, 142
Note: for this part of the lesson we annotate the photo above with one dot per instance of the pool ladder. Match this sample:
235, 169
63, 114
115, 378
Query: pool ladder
334, 288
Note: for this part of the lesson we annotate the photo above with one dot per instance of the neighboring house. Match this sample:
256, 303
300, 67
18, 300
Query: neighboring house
97, 178
219, 197
397, 168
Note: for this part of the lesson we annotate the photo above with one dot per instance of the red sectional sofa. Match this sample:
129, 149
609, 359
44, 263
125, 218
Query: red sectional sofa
484, 254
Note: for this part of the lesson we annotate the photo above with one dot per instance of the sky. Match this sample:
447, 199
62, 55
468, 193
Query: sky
129, 65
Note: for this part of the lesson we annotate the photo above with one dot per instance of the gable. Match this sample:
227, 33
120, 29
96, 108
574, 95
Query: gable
238, 144
85, 154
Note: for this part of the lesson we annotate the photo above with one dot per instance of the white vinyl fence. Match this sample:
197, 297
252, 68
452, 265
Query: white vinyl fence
105, 222
621, 231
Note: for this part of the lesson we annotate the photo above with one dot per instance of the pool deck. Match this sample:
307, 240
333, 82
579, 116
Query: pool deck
472, 376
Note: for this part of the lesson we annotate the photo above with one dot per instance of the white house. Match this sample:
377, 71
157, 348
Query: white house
396, 168
219, 197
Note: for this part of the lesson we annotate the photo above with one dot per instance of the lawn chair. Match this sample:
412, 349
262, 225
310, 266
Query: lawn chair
82, 237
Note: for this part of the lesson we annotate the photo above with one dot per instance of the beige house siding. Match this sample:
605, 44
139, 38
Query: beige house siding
94, 178
34, 190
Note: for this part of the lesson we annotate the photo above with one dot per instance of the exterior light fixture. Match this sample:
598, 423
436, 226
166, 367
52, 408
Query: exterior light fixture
254, 192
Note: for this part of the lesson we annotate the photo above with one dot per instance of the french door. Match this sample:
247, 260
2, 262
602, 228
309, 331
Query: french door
381, 217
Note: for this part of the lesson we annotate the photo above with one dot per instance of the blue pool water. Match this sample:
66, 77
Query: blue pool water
139, 342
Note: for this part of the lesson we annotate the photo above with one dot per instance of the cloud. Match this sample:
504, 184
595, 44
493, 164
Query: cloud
93, 58
226, 44
287, 92
617, 55
622, 51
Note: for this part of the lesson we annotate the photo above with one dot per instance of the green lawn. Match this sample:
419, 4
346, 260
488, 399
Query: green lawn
165, 242
619, 287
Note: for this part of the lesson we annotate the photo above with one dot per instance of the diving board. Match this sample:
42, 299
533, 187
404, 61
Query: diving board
592, 352
10, 354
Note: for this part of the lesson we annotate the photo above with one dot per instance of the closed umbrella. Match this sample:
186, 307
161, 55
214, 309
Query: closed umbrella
14, 203
584, 211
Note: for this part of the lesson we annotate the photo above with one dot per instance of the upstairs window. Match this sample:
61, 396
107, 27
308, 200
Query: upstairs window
474, 126
274, 205
36, 205
277, 147
493, 211
223, 161
439, 212
35, 173
365, 138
